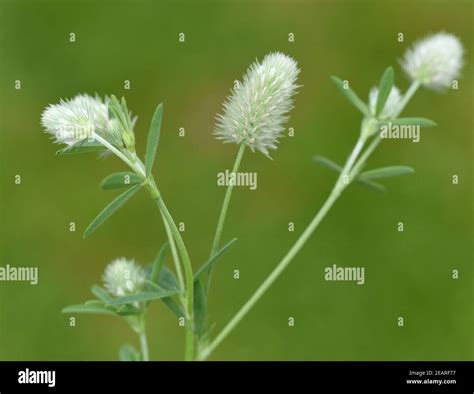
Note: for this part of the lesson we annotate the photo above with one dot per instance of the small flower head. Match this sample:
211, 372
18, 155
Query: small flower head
123, 277
76, 119
391, 105
435, 61
257, 109
81, 117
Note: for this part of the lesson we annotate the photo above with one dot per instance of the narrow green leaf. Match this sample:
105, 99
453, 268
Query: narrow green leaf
327, 163
153, 138
84, 146
144, 296
168, 301
423, 122
119, 180
351, 96
167, 279
385, 172
128, 310
93, 308
199, 308
110, 209
100, 293
385, 87
152, 286
158, 263
374, 186
173, 306
209, 263
129, 353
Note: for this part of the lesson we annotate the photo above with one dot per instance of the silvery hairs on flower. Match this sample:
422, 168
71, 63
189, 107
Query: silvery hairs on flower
79, 118
123, 277
255, 112
435, 61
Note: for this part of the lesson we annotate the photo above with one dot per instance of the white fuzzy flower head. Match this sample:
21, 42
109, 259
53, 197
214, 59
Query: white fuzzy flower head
257, 109
123, 277
80, 118
434, 61
391, 105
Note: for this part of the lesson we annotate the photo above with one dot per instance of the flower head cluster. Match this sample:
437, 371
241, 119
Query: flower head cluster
83, 117
123, 277
435, 61
391, 105
257, 109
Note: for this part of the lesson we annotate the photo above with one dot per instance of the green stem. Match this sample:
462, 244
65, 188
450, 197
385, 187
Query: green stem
188, 273
174, 253
333, 196
225, 205
144, 345
172, 232
407, 97
375, 142
351, 169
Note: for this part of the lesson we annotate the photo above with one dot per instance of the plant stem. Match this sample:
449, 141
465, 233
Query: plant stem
188, 273
144, 345
223, 214
350, 170
335, 193
407, 97
172, 232
174, 253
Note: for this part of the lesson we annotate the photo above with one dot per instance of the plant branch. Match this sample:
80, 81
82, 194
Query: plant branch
188, 273
336, 191
223, 213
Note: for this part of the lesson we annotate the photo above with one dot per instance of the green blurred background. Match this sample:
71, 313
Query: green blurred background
407, 274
